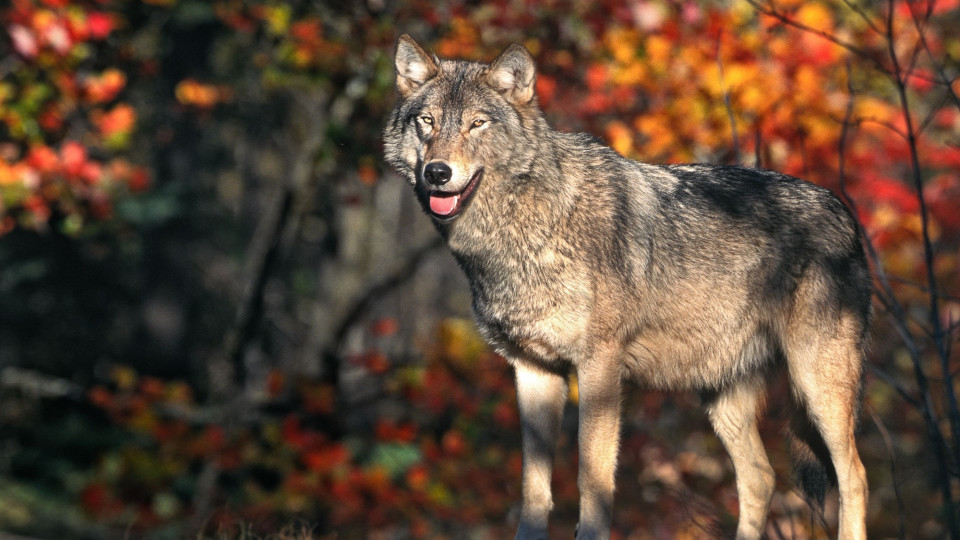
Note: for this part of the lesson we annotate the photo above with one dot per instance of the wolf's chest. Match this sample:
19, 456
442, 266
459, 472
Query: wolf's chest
542, 320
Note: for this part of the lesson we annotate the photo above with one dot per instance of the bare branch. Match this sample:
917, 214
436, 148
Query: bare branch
892, 382
785, 19
953, 411
937, 66
939, 443
857, 51
899, 319
727, 104
868, 120
266, 247
888, 443
863, 15
377, 290
924, 288
36, 384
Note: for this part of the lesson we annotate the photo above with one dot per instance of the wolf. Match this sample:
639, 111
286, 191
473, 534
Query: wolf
681, 277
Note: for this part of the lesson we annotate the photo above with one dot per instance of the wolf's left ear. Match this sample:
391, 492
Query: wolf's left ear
414, 65
513, 74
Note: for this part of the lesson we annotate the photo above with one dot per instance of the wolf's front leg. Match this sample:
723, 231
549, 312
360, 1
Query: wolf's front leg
599, 389
540, 397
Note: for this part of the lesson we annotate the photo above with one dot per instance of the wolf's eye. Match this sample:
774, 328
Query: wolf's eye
426, 120
478, 122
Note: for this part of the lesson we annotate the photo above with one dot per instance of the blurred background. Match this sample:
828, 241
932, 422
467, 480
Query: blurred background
222, 316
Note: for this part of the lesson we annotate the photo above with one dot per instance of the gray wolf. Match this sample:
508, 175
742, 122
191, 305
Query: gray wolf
682, 277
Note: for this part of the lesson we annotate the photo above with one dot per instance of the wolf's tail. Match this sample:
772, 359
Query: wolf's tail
812, 466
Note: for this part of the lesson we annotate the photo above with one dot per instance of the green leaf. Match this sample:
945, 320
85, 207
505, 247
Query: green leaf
194, 13
395, 458
154, 209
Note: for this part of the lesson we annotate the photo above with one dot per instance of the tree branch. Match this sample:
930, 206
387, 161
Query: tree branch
940, 445
727, 104
888, 443
375, 292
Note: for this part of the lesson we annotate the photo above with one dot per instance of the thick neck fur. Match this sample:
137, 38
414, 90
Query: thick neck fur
522, 207
533, 227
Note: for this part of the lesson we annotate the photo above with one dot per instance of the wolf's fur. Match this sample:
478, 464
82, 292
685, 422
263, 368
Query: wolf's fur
690, 277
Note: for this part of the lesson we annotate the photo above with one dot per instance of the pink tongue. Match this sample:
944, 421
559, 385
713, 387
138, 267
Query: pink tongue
443, 205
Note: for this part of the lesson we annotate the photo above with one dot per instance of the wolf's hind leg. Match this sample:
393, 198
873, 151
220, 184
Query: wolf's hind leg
827, 382
540, 397
733, 413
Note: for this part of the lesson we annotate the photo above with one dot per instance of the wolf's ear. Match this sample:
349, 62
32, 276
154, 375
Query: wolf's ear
513, 74
414, 66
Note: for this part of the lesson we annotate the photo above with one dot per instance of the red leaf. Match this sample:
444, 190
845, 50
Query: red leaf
546, 89
74, 156
454, 443
418, 477
387, 326
326, 459
43, 159
139, 180
99, 25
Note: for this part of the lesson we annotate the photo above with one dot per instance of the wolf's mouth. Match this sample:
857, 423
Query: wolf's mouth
448, 205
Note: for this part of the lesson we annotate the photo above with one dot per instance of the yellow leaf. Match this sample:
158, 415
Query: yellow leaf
631, 74
620, 137
815, 15
755, 98
711, 80
808, 85
821, 131
460, 342
739, 74
124, 377
622, 44
659, 50
277, 19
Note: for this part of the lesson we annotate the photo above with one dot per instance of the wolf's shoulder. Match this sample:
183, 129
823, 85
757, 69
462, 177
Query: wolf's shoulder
578, 140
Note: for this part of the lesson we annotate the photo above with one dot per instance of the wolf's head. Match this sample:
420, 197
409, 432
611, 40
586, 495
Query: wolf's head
460, 124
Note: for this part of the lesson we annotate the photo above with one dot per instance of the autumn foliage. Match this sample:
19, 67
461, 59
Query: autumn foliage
446, 460
64, 118
860, 98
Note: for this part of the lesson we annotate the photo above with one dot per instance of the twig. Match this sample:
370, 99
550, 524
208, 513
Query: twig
940, 445
263, 255
857, 51
863, 15
37, 384
888, 442
937, 67
871, 120
900, 390
265, 247
953, 412
924, 288
758, 153
727, 104
783, 18
899, 318
9, 536
932, 113
885, 294
361, 306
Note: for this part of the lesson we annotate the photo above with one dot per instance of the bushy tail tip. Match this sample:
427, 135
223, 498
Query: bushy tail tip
811, 458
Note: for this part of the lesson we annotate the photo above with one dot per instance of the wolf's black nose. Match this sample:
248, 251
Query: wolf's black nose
437, 173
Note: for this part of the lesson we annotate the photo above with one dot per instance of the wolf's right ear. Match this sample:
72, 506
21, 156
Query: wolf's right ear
414, 66
514, 74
